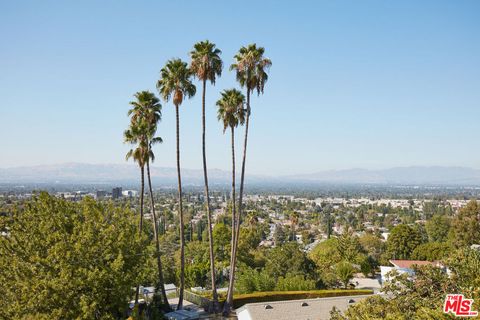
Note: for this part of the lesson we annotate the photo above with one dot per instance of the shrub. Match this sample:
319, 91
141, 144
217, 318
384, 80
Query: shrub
251, 280
294, 283
242, 299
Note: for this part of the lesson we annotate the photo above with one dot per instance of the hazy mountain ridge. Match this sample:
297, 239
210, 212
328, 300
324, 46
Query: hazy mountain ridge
101, 173
398, 175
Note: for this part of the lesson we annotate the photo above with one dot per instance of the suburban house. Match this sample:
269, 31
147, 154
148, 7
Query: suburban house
404, 266
308, 309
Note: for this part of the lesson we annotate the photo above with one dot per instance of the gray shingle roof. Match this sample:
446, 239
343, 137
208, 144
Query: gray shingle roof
315, 309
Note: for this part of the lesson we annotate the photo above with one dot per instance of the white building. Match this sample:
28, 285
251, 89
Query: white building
402, 267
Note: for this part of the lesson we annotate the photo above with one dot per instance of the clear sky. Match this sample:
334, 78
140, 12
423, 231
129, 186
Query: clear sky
371, 84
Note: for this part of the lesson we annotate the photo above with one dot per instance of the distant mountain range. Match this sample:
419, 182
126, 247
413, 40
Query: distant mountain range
125, 173
434, 175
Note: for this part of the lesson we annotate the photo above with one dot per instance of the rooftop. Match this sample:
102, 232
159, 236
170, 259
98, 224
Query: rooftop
408, 264
308, 309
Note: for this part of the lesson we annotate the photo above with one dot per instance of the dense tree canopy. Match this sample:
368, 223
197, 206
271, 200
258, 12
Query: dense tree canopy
402, 240
424, 297
68, 260
437, 228
289, 259
431, 251
466, 225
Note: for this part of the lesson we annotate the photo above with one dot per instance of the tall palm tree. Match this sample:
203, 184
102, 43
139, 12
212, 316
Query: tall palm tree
231, 112
152, 114
145, 115
294, 221
175, 79
133, 135
161, 283
251, 72
206, 65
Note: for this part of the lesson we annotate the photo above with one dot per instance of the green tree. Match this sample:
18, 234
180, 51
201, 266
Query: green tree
294, 217
251, 72
367, 264
289, 259
221, 236
344, 271
326, 254
206, 65
294, 283
66, 260
372, 245
407, 299
437, 228
279, 235
431, 251
175, 79
465, 264
402, 240
348, 247
197, 263
246, 280
250, 239
466, 225
250, 280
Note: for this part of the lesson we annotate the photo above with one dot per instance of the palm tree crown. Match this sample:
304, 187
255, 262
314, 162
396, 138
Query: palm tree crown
146, 107
251, 67
206, 63
231, 109
135, 134
145, 113
175, 79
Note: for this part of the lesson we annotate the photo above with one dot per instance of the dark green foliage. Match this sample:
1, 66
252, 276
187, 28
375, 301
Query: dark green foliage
348, 247
465, 265
289, 259
466, 225
424, 297
431, 251
344, 271
326, 254
294, 283
280, 236
231, 110
437, 228
402, 240
69, 261
196, 264
251, 280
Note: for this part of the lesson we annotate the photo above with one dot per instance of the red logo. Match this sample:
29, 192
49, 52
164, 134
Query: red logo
459, 306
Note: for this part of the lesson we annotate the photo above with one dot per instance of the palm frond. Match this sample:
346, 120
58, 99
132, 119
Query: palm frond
231, 109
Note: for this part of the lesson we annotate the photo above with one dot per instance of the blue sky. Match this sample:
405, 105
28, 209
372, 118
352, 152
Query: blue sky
370, 84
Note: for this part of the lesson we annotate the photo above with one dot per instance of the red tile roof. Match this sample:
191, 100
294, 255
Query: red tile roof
409, 263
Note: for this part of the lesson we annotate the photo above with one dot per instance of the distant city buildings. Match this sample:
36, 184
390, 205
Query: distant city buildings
130, 193
100, 194
116, 193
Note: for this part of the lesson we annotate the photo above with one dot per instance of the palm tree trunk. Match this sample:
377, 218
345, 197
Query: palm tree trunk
229, 301
231, 282
140, 225
207, 204
161, 283
142, 191
180, 213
